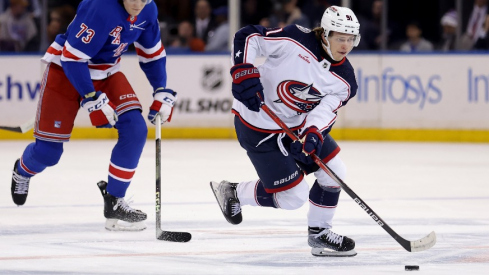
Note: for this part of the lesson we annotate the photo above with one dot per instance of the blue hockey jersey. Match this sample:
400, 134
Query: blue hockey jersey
100, 33
300, 85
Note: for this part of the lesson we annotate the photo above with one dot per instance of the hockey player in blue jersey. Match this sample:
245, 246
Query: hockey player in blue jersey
305, 79
83, 70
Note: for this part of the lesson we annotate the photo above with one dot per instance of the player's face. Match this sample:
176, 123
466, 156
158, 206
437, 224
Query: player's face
134, 7
341, 44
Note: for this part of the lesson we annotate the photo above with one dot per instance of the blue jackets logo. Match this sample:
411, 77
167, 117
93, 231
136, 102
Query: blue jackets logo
298, 96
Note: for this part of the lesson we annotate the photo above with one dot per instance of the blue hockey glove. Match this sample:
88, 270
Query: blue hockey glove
163, 102
101, 110
246, 85
311, 142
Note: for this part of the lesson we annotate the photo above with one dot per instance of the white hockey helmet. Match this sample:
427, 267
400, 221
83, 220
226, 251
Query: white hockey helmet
342, 20
147, 1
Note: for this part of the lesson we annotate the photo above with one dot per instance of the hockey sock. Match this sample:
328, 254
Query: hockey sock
39, 155
322, 205
126, 153
253, 193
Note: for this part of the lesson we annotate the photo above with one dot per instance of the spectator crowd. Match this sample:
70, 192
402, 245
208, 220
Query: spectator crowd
203, 25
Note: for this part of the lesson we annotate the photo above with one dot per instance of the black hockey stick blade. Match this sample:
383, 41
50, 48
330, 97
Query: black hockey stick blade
11, 129
24, 128
170, 236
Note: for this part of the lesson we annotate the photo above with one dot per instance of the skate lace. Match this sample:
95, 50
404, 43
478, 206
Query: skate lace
235, 209
21, 183
124, 205
331, 236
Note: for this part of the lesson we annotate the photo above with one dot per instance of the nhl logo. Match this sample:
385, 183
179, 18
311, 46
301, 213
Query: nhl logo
212, 78
326, 65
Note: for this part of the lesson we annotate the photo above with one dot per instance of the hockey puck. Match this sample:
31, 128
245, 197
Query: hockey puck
411, 267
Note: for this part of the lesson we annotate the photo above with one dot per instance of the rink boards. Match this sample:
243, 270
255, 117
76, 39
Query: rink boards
424, 97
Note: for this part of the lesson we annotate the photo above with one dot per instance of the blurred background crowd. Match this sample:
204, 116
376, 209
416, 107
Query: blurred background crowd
203, 25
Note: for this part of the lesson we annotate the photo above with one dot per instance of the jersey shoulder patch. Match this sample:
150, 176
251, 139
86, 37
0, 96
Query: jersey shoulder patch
303, 29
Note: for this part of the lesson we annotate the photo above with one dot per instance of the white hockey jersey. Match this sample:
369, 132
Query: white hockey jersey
301, 84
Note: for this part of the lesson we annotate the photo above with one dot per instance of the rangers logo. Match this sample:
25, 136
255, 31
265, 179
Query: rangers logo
298, 96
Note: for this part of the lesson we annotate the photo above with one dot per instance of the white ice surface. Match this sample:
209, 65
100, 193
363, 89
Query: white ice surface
415, 187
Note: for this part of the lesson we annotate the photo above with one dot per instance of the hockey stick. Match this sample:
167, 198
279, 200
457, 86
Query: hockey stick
411, 246
25, 127
162, 234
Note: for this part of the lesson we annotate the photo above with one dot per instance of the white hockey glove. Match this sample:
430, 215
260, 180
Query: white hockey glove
163, 102
101, 110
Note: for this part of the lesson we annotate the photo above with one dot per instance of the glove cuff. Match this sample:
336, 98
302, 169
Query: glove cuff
244, 71
164, 90
313, 130
241, 66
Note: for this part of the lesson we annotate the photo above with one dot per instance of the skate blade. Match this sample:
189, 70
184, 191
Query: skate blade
323, 252
214, 187
118, 225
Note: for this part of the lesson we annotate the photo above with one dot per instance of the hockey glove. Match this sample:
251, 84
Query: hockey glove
101, 110
311, 142
163, 102
246, 85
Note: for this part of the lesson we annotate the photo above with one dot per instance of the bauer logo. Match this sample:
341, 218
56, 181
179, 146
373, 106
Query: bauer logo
11, 89
399, 89
287, 179
369, 212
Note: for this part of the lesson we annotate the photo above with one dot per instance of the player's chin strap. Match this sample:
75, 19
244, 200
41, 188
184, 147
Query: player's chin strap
327, 48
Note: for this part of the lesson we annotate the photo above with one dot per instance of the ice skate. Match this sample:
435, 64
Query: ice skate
20, 186
227, 198
120, 216
326, 243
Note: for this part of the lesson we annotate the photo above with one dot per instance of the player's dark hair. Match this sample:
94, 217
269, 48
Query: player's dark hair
319, 32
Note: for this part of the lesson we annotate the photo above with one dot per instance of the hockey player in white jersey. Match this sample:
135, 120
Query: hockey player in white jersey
305, 79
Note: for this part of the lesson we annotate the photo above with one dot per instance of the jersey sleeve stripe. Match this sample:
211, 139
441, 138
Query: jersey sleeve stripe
147, 55
55, 49
149, 51
245, 54
72, 54
347, 85
53, 53
329, 124
148, 58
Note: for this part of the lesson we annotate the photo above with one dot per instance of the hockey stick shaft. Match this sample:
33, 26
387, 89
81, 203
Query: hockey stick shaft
411, 246
158, 174
163, 234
